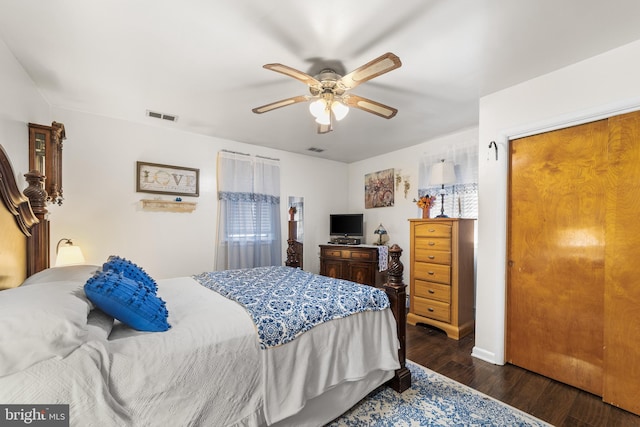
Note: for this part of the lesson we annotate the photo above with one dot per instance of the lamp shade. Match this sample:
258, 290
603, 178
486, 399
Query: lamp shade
380, 230
318, 107
443, 173
339, 110
68, 254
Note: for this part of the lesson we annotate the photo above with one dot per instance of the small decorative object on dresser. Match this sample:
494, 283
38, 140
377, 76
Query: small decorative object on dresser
380, 231
425, 202
442, 274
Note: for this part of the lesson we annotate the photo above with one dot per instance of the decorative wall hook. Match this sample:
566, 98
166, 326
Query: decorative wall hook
494, 145
398, 181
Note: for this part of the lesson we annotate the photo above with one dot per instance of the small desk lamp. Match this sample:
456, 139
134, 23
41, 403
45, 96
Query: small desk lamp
442, 173
68, 254
380, 231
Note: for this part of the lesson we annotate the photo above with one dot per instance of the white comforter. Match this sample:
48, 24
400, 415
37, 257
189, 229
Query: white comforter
206, 370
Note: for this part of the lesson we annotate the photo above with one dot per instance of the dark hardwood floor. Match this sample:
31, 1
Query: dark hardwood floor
544, 398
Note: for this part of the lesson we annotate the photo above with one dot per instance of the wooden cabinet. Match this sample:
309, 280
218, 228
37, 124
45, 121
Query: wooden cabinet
45, 156
442, 274
359, 263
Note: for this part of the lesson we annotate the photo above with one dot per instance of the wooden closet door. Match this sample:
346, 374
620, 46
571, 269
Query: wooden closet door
556, 254
622, 272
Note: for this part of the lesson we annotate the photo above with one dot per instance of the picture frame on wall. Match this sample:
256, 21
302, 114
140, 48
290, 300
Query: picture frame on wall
379, 189
167, 179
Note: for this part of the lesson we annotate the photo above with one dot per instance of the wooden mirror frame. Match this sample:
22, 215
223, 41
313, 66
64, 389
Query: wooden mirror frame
45, 156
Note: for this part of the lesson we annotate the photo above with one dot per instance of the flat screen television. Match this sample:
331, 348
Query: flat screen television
346, 225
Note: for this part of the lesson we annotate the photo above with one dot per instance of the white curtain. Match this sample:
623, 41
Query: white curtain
461, 198
248, 212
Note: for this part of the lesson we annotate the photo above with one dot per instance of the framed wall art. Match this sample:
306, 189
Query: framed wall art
379, 189
167, 179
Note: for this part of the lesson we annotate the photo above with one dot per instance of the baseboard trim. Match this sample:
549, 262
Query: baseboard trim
485, 355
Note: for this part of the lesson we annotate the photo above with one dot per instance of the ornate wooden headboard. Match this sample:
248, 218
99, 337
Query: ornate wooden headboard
24, 228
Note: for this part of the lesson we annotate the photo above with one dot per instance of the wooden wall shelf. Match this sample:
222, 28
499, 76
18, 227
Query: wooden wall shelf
167, 206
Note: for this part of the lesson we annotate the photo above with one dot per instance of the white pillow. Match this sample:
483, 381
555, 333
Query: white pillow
74, 273
41, 322
99, 325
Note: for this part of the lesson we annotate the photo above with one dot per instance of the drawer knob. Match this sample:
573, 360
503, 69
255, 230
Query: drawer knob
432, 230
431, 243
431, 257
431, 291
431, 273
430, 310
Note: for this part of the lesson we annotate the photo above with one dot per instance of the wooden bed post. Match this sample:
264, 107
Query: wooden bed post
294, 248
397, 293
38, 242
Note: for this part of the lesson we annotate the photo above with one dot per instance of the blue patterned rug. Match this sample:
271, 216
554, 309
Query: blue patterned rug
433, 400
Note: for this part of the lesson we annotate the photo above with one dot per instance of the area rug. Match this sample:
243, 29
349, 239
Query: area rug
433, 400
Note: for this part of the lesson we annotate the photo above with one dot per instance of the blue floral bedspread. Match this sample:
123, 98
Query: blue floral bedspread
284, 302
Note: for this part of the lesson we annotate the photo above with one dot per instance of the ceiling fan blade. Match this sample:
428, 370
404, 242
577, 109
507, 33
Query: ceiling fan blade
279, 104
370, 106
296, 74
382, 64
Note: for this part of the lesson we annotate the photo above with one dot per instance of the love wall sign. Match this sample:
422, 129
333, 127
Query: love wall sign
167, 179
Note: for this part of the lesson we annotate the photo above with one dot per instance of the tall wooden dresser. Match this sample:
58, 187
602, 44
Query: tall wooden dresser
442, 274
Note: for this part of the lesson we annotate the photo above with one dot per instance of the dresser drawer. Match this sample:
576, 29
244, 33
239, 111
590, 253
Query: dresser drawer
433, 272
359, 255
433, 243
431, 308
354, 254
331, 253
433, 256
431, 290
433, 230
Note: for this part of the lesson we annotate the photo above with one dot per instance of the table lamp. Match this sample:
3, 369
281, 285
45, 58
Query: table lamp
442, 173
68, 254
380, 231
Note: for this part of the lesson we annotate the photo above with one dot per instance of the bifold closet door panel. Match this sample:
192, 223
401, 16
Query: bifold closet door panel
556, 254
622, 266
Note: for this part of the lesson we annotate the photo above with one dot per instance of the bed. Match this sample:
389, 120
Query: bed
212, 367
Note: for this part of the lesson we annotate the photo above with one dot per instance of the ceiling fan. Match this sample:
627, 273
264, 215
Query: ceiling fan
329, 91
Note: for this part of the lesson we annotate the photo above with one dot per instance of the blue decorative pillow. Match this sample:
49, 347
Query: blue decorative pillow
128, 301
131, 271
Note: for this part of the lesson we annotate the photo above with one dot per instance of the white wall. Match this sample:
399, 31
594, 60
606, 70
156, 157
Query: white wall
20, 103
406, 162
598, 87
102, 212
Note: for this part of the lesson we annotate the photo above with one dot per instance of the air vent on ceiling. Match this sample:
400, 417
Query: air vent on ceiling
316, 150
168, 117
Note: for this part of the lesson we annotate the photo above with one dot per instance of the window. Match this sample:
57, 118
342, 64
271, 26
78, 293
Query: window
248, 212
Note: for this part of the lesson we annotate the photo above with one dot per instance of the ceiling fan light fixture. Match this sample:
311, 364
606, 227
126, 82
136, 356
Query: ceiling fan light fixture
340, 110
318, 108
324, 118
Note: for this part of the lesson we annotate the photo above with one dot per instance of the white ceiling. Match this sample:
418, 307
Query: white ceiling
202, 60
